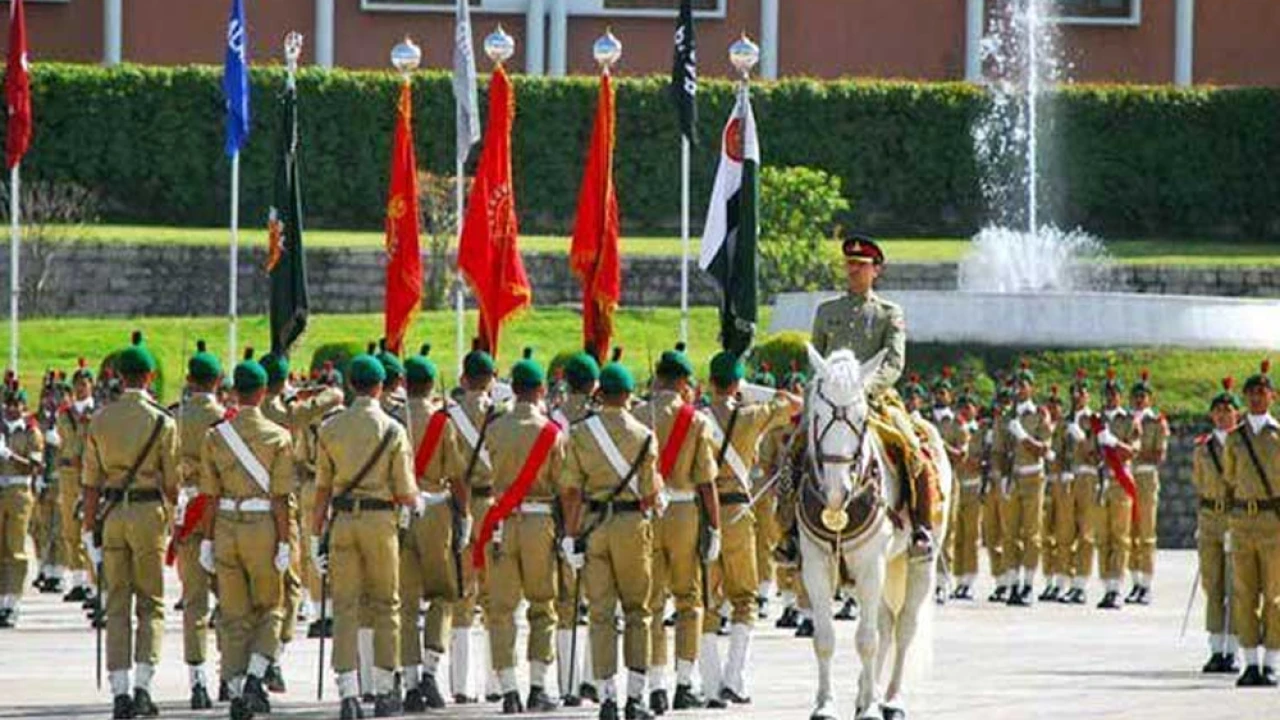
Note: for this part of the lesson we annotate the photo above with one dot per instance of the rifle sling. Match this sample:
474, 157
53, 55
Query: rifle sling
1257, 465
131, 475
368, 465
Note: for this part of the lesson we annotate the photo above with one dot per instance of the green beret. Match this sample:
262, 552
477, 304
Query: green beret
1143, 385
276, 366
527, 373
391, 365
674, 363
1024, 374
1260, 379
136, 359
582, 369
478, 363
966, 398
1226, 397
204, 365
82, 371
727, 368
14, 395
615, 378
419, 369
366, 371
249, 376
765, 378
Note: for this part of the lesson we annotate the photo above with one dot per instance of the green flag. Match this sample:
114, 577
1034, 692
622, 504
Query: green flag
285, 261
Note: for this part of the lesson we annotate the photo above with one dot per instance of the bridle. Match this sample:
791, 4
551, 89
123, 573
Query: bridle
868, 468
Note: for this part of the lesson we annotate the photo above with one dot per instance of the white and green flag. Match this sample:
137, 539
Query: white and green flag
729, 239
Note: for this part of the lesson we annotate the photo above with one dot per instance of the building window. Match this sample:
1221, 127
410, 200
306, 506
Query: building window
606, 8
1099, 12
708, 5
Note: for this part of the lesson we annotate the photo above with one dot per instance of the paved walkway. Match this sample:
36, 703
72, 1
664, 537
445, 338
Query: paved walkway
992, 662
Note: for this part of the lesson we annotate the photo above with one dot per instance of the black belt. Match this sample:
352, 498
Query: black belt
615, 506
1252, 507
353, 504
1213, 505
735, 498
133, 496
482, 492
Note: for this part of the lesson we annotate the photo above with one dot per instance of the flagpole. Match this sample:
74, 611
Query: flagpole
233, 280
15, 277
459, 302
684, 239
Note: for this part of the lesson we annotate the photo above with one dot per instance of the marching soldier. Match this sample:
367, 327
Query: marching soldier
766, 517
1207, 476
363, 471
1113, 519
73, 427
786, 554
324, 398
517, 539
44, 528
1251, 467
21, 461
130, 469
609, 484
965, 447
248, 475
949, 428
1030, 430
1058, 483
686, 463
195, 415
736, 429
1151, 446
1073, 530
996, 535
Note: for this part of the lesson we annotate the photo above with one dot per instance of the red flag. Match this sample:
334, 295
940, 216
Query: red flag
404, 262
488, 255
594, 253
17, 87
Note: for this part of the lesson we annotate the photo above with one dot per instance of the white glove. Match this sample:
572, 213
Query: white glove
282, 556
1016, 429
206, 556
52, 438
660, 503
5, 453
419, 506
1226, 541
1075, 431
94, 552
574, 558
468, 524
753, 393
41, 485
321, 562
1106, 438
713, 545
404, 516
1050, 456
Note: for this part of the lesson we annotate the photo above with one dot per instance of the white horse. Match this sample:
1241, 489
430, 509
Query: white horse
844, 507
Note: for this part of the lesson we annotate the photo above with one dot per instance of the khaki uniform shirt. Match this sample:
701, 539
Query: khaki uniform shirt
24, 439
970, 467
393, 405
195, 416
224, 475
754, 420
1085, 452
420, 411
575, 407
117, 435
1002, 449
588, 470
307, 415
1152, 437
1238, 469
73, 429
865, 325
1038, 425
279, 411
955, 435
1122, 425
348, 440
510, 441
454, 453
695, 463
1208, 471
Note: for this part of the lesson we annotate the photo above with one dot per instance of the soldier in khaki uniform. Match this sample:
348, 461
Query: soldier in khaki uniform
130, 470
768, 531
1073, 527
1057, 498
736, 429
1113, 517
195, 415
688, 469
1207, 476
995, 474
44, 528
248, 475
610, 483
323, 398
1254, 526
964, 446
21, 461
73, 428
1030, 430
1151, 446
943, 417
786, 553
363, 468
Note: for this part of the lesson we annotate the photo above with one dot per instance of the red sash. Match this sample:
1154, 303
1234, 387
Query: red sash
514, 495
679, 431
1121, 473
191, 519
430, 442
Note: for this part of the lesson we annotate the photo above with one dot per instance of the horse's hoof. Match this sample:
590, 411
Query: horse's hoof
893, 713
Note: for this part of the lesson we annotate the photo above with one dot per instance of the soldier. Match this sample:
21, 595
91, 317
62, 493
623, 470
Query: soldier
73, 427
773, 457
944, 419
130, 469
736, 429
1251, 467
686, 462
1151, 446
767, 529
1030, 430
195, 415
965, 447
363, 470
428, 559
44, 528
995, 516
1113, 518
1073, 529
517, 538
1211, 531
1058, 482
21, 461
866, 323
248, 475
610, 465
322, 399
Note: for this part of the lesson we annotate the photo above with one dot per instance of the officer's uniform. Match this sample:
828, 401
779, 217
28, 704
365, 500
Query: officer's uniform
1152, 440
22, 439
1214, 500
73, 428
1112, 521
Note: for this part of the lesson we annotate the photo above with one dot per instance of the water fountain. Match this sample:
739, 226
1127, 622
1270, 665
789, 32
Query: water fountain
1025, 282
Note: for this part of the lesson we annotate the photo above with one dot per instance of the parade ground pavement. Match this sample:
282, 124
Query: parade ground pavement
1048, 661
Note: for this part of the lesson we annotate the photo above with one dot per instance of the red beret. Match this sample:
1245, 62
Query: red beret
860, 248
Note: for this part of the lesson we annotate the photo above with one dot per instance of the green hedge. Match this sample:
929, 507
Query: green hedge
1127, 160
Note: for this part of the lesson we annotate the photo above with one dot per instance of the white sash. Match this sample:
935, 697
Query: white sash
611, 452
247, 459
469, 433
731, 456
559, 418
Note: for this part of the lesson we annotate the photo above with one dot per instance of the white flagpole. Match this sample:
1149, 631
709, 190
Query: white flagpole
684, 238
235, 258
15, 277
460, 306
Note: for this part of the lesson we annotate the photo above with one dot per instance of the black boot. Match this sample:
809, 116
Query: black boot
848, 611
1049, 593
669, 621
730, 696
431, 692
387, 705
224, 692
805, 628
122, 707
200, 698
511, 704
1269, 676
686, 700
587, 691
351, 709
608, 710
6, 619
1019, 596
90, 601
274, 679
1132, 597
1110, 601
142, 705
52, 586
539, 701
240, 710
77, 594
460, 699
789, 619
1251, 677
255, 695
1144, 596
1000, 594
413, 702
635, 710
658, 702
1229, 665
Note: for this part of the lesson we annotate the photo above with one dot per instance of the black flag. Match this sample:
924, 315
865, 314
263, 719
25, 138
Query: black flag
285, 262
684, 73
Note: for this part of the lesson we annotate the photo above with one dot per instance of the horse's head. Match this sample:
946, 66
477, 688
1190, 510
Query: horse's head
837, 422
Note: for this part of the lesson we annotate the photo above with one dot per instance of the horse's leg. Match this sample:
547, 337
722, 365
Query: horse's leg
868, 564
921, 577
815, 566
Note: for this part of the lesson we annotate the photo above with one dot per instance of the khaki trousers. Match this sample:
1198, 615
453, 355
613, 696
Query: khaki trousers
473, 585
966, 530
733, 575
1255, 589
250, 589
73, 554
522, 566
1212, 528
1084, 493
1048, 531
993, 531
768, 534
365, 565
292, 579
311, 579
16, 506
45, 531
1143, 557
1025, 514
1111, 527
427, 573
619, 570
133, 545
196, 585
677, 572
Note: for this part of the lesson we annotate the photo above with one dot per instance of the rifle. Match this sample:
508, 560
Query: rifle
984, 465
324, 600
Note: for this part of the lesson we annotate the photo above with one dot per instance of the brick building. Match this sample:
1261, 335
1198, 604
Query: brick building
1227, 42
